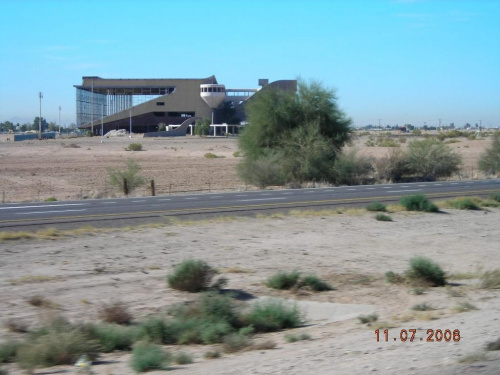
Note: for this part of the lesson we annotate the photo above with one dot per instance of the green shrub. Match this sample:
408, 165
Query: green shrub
210, 155
147, 356
417, 132
314, 283
291, 337
237, 154
376, 207
182, 358
418, 202
351, 169
394, 278
211, 354
431, 159
117, 177
263, 171
495, 197
272, 316
134, 147
464, 204
55, 348
191, 276
386, 142
113, 337
382, 217
8, 350
283, 280
425, 270
393, 166
491, 279
364, 319
422, 307
235, 342
51, 199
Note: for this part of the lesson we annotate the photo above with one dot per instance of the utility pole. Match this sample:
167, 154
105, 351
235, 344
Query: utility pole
439, 123
379, 122
40, 95
59, 120
92, 104
130, 135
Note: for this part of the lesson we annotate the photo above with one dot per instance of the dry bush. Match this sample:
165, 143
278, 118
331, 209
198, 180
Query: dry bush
263, 345
16, 326
115, 312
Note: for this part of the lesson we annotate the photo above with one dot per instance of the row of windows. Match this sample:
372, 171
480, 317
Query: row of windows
173, 114
212, 89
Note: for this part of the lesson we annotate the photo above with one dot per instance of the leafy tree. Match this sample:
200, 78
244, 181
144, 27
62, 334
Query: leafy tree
489, 162
432, 159
6, 126
36, 126
202, 127
303, 132
52, 126
227, 113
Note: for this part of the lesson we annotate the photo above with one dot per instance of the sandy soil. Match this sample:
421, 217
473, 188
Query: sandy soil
352, 252
37, 170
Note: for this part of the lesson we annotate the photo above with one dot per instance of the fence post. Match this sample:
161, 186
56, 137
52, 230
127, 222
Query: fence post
125, 187
209, 187
153, 188
169, 189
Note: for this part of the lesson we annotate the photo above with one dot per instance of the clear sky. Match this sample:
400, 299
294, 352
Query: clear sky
400, 61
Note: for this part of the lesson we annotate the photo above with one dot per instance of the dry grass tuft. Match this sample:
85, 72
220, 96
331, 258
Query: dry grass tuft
16, 326
115, 312
235, 270
491, 279
263, 345
32, 279
40, 301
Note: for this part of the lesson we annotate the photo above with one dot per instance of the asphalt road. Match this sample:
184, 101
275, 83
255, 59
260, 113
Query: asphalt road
102, 212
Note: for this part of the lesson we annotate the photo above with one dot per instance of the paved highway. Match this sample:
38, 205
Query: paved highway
94, 212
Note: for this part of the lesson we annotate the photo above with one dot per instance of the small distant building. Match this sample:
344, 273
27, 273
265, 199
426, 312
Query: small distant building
146, 104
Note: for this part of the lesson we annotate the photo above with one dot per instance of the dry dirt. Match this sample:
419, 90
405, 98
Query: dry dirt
37, 170
352, 252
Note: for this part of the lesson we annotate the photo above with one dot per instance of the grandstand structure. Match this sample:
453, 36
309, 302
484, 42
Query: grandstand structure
144, 105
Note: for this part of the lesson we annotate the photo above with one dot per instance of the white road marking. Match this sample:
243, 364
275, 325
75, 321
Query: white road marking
329, 191
387, 187
438, 184
352, 189
454, 183
45, 205
217, 196
404, 186
258, 199
265, 194
370, 188
308, 192
48, 212
191, 198
287, 193
164, 199
242, 195
109, 202
143, 200
421, 185
403, 191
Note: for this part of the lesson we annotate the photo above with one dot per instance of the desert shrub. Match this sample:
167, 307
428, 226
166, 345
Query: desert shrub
495, 197
291, 337
210, 155
263, 171
364, 319
235, 342
134, 147
117, 177
115, 312
382, 217
494, 345
283, 280
51, 199
402, 140
17, 326
472, 137
422, 307
112, 337
464, 307
263, 345
182, 358
416, 132
38, 301
191, 276
147, 356
8, 350
202, 126
489, 161
211, 354
386, 142
394, 278
418, 202
314, 283
491, 279
351, 169
376, 207
426, 271
272, 316
464, 204
431, 159
55, 348
237, 154
162, 127
393, 166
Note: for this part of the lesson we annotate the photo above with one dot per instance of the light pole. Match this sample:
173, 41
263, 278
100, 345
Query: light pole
59, 120
102, 122
92, 109
40, 95
130, 136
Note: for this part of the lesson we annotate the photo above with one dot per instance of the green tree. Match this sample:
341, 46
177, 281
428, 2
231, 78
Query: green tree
35, 125
303, 131
431, 159
227, 113
202, 127
489, 162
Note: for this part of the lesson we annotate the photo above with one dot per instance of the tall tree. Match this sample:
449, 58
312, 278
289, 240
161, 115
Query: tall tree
304, 131
35, 125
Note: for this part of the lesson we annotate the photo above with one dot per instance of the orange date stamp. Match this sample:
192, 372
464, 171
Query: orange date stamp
411, 335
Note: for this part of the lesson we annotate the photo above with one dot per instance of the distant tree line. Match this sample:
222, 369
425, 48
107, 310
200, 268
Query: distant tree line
8, 126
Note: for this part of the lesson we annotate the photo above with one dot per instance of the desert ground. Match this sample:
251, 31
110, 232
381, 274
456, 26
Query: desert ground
352, 251
77, 168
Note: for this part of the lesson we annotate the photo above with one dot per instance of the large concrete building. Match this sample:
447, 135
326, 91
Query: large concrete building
144, 104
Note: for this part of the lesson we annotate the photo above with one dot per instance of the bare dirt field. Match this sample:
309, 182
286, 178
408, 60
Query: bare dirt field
351, 251
78, 168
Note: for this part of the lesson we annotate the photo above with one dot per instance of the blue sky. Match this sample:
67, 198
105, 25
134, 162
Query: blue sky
401, 61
